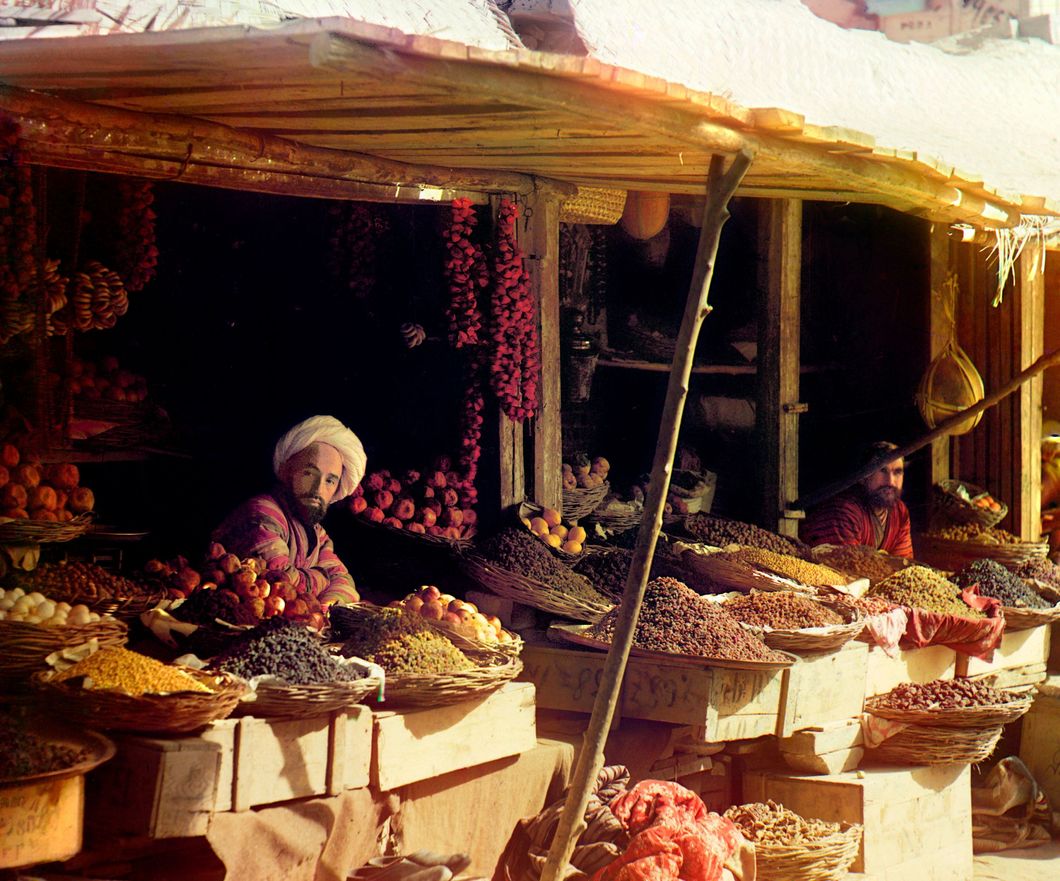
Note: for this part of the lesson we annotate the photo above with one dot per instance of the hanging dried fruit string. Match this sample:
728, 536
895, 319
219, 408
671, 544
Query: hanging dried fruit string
137, 251
515, 354
18, 235
466, 274
355, 231
471, 424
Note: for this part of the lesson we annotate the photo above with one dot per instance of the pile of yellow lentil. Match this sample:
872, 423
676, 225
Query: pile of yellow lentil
787, 565
118, 669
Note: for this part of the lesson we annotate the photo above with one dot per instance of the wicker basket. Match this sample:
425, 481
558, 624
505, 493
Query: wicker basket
25, 646
175, 713
948, 506
578, 502
125, 608
272, 700
956, 717
652, 344
491, 671
533, 593
952, 556
816, 639
1025, 619
594, 205
937, 745
21, 531
826, 859
112, 411
615, 522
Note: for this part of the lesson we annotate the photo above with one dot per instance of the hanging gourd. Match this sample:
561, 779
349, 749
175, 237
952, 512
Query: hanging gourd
950, 384
645, 214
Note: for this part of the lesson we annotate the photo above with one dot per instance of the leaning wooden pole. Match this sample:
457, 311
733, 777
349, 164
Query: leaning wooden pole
721, 185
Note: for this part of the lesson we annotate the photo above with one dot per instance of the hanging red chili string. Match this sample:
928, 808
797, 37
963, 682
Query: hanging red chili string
466, 273
354, 239
515, 354
18, 235
136, 259
472, 403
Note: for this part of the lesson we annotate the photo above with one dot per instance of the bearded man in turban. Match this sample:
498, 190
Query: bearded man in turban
317, 462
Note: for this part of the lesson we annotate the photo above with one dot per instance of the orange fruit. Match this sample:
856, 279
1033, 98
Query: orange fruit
551, 516
560, 530
576, 534
571, 547
537, 524
553, 540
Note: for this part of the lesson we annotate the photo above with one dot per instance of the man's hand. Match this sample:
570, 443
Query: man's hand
414, 334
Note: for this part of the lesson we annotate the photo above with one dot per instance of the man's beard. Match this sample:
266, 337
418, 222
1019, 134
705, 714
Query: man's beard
310, 509
884, 497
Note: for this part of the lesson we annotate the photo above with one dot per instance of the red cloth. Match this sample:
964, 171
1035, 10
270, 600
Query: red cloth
970, 636
845, 520
673, 836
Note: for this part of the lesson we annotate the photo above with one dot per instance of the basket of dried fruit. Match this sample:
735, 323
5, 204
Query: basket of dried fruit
791, 848
19, 530
488, 672
950, 703
1021, 603
953, 547
956, 501
751, 568
937, 745
410, 539
119, 690
796, 623
82, 583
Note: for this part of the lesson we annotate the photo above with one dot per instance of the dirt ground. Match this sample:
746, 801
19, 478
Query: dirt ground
1032, 864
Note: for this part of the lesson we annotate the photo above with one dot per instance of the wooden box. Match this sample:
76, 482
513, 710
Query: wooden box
425, 743
1040, 742
1019, 648
917, 821
719, 702
823, 688
170, 787
41, 821
911, 665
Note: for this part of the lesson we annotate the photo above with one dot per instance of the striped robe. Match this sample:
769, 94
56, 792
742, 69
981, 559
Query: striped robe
846, 520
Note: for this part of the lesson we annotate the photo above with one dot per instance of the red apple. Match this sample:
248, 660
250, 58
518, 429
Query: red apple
215, 551
417, 528
394, 522
428, 517
274, 605
358, 504
433, 610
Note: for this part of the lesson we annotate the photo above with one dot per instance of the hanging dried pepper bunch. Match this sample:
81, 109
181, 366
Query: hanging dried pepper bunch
18, 235
137, 251
515, 354
466, 273
472, 403
97, 300
356, 229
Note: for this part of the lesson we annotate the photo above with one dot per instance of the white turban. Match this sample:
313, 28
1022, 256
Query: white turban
325, 430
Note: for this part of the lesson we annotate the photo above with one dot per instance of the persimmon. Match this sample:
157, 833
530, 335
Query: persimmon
42, 514
14, 513
82, 500
28, 475
10, 456
64, 475
358, 504
43, 496
13, 495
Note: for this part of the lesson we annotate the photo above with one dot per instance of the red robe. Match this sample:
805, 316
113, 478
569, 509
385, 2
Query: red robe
847, 520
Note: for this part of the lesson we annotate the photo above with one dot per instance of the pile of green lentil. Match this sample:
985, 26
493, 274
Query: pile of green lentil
922, 588
285, 649
782, 610
402, 643
521, 552
996, 581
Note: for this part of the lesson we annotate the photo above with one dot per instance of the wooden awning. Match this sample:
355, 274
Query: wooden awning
343, 109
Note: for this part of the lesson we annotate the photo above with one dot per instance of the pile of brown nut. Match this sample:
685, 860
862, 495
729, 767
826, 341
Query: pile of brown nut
945, 694
859, 561
781, 609
771, 823
720, 532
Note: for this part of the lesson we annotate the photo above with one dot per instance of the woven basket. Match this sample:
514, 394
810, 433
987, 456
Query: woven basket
595, 205
956, 717
936, 745
412, 541
580, 502
816, 639
23, 647
125, 608
826, 859
615, 522
533, 593
272, 700
1025, 619
948, 506
491, 671
20, 531
112, 411
149, 714
952, 556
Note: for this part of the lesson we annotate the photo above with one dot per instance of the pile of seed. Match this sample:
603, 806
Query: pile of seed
996, 581
282, 648
782, 610
945, 694
117, 669
520, 551
206, 606
772, 823
922, 588
402, 643
83, 580
1040, 569
973, 532
675, 619
858, 561
719, 532
26, 753
786, 565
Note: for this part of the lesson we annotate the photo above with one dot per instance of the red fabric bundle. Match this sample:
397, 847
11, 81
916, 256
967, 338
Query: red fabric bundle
970, 636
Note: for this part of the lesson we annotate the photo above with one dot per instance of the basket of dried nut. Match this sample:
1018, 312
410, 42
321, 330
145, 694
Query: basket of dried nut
795, 622
954, 547
791, 848
950, 703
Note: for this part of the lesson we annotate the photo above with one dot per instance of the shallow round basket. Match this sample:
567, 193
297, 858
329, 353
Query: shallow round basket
272, 700
955, 717
829, 638
491, 671
24, 647
112, 411
1017, 618
412, 541
615, 522
20, 531
826, 859
174, 713
533, 593
951, 556
949, 506
937, 745
579, 502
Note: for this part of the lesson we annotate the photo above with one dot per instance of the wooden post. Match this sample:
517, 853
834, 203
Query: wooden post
1026, 502
542, 251
779, 276
942, 326
721, 185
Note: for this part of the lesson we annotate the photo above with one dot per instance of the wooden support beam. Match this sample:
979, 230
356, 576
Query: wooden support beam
942, 327
779, 277
542, 251
1026, 502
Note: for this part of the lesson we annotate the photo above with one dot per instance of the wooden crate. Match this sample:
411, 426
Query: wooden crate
1040, 742
1019, 648
918, 821
720, 703
824, 687
170, 787
1053, 662
826, 749
911, 665
422, 744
